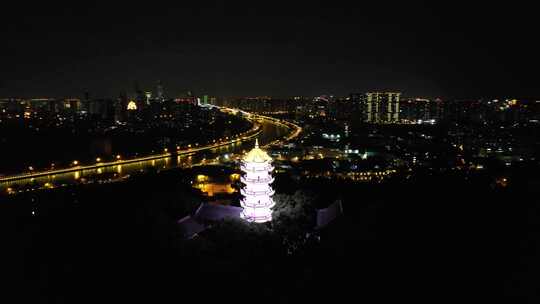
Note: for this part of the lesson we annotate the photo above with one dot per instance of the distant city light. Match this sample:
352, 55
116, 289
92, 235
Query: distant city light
132, 106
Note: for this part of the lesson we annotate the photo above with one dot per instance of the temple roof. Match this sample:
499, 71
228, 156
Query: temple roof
257, 155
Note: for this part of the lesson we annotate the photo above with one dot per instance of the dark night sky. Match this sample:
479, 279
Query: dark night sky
277, 48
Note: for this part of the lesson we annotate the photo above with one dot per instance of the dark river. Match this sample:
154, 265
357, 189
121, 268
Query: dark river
223, 154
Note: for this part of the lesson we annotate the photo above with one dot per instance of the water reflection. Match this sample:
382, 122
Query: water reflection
270, 132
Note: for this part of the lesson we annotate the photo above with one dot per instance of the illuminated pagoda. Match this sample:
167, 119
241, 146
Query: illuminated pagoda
257, 193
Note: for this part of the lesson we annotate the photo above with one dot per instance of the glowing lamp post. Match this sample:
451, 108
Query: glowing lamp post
257, 201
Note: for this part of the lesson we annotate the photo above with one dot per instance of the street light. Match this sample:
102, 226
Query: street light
98, 159
75, 162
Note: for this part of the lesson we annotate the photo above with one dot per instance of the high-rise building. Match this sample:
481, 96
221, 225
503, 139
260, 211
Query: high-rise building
257, 201
148, 96
160, 92
86, 101
121, 105
419, 110
139, 95
381, 107
70, 105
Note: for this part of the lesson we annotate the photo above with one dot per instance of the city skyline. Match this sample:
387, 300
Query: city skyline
281, 152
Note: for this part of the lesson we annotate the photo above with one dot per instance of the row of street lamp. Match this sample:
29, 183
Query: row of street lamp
189, 146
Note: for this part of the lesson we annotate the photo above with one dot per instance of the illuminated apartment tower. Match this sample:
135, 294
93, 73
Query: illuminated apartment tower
257, 201
381, 107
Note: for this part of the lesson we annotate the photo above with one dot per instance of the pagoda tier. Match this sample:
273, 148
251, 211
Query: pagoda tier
257, 181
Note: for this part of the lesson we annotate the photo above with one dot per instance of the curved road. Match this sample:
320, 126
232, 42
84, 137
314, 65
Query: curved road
271, 131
